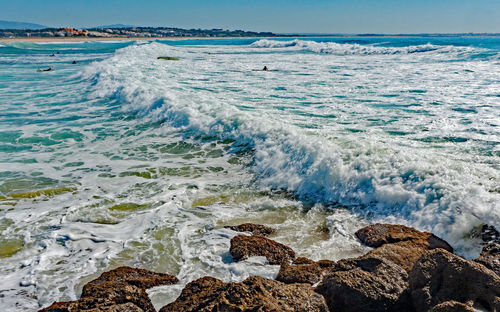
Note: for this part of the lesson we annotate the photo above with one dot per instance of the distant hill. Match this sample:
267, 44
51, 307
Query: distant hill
116, 26
20, 25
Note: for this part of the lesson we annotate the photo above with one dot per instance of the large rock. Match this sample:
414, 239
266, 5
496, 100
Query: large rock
310, 272
379, 234
106, 297
255, 229
490, 257
243, 247
253, 294
440, 276
398, 243
366, 284
121, 289
136, 277
452, 306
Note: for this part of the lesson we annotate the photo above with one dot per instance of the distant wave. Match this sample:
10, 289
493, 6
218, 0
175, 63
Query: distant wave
353, 49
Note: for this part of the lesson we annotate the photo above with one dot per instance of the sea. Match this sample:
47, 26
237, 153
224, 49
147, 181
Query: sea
127, 159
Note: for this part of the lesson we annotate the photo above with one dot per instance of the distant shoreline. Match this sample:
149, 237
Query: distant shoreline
77, 39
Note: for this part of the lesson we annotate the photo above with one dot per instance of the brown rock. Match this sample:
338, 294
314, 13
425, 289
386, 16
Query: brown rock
398, 243
255, 229
302, 260
76, 306
309, 273
255, 294
440, 276
366, 284
133, 276
243, 247
107, 296
379, 234
452, 306
490, 257
121, 289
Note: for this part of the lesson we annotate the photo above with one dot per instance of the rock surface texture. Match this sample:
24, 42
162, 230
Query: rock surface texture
398, 243
255, 229
255, 294
366, 284
440, 276
309, 273
121, 289
490, 257
243, 247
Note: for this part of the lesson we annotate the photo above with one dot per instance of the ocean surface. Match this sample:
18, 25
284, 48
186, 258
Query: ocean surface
125, 159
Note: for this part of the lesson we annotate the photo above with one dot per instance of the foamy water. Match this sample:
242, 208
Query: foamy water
124, 159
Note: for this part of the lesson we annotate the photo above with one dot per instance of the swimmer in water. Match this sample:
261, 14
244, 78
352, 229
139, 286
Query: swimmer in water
44, 70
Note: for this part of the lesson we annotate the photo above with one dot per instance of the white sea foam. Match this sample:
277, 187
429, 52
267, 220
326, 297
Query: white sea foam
355, 49
422, 187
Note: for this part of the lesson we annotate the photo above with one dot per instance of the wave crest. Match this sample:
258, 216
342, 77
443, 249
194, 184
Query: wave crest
353, 49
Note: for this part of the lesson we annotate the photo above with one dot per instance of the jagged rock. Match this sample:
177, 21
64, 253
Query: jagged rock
255, 229
366, 284
303, 260
73, 307
253, 294
106, 297
310, 273
121, 289
452, 306
243, 247
379, 234
490, 234
490, 257
133, 276
398, 243
440, 276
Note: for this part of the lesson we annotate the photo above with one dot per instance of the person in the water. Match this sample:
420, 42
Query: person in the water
265, 68
44, 70
74, 62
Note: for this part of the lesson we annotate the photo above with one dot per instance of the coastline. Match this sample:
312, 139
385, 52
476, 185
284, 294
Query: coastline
405, 271
83, 39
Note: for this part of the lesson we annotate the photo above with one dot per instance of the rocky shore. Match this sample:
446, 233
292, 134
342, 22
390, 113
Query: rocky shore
407, 270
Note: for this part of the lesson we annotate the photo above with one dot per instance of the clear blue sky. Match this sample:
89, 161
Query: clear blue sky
283, 16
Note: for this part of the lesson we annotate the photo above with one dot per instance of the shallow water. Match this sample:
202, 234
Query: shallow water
124, 159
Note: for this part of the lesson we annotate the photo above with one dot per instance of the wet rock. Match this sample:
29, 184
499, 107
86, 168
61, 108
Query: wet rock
440, 276
398, 243
253, 294
133, 276
490, 257
366, 284
255, 229
106, 297
310, 273
452, 306
490, 234
243, 247
303, 260
121, 289
379, 234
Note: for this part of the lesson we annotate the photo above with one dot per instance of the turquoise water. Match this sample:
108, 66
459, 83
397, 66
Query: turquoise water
122, 158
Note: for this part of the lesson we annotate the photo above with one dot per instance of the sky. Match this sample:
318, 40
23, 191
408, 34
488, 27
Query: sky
279, 16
